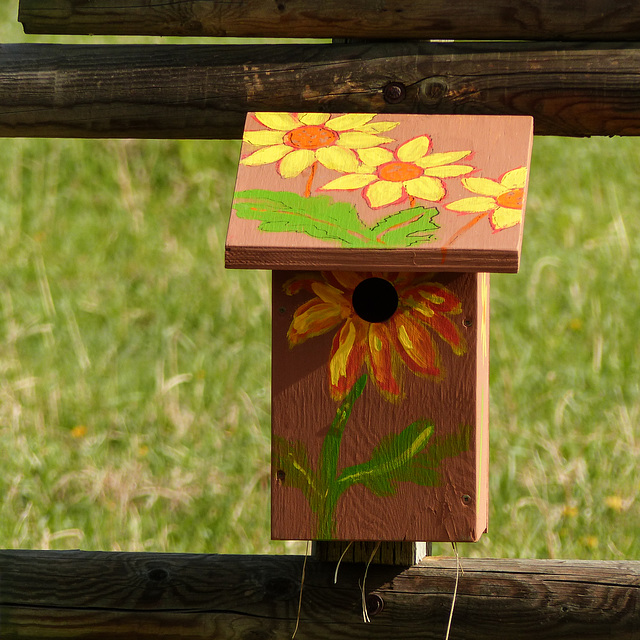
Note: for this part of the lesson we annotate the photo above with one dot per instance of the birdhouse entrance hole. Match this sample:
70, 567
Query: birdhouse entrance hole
375, 300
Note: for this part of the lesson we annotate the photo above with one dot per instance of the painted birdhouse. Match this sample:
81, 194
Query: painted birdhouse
380, 231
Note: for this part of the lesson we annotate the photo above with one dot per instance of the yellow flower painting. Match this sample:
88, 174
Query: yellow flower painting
501, 201
410, 172
297, 141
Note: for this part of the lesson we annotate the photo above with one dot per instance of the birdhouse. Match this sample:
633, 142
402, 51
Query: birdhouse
380, 231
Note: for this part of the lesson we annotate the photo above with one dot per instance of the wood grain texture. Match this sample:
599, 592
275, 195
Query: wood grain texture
406, 215
425, 486
169, 91
420, 19
131, 596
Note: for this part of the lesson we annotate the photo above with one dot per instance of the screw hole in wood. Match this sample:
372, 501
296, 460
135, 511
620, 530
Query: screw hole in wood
375, 604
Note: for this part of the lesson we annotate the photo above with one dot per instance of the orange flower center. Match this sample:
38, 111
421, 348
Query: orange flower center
511, 199
399, 171
311, 136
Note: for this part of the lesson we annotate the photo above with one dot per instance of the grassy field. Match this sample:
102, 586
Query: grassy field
134, 370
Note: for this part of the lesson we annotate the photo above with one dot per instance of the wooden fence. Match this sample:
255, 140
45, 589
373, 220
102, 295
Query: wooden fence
64, 594
586, 82
205, 91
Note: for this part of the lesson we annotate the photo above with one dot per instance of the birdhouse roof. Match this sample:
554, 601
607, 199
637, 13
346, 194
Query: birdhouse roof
380, 192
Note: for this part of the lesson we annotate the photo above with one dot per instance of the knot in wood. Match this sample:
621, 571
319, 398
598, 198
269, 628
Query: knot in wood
432, 90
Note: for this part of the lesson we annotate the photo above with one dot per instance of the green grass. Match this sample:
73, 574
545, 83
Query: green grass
134, 370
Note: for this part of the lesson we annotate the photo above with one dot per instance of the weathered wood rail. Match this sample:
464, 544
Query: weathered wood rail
201, 91
419, 19
94, 595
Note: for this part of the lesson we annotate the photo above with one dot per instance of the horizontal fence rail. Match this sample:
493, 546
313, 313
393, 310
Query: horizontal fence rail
419, 19
55, 594
202, 91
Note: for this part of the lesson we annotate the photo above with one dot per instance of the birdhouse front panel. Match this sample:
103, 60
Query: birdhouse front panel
380, 405
380, 191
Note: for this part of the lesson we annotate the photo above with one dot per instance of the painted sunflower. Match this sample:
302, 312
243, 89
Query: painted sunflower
501, 201
405, 339
297, 141
410, 172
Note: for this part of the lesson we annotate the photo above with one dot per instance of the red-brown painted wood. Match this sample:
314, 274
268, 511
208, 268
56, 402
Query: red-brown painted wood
450, 393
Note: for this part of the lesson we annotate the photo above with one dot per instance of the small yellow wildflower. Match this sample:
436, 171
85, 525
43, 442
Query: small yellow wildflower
615, 503
79, 431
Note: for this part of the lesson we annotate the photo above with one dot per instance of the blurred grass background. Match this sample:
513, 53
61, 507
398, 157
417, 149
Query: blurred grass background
134, 370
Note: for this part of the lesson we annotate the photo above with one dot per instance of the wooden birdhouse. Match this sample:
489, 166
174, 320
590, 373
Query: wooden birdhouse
380, 231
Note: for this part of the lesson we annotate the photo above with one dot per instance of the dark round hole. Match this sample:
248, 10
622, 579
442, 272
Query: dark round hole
375, 300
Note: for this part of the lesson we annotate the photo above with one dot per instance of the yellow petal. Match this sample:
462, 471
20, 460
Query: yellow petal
313, 118
381, 193
348, 279
415, 149
448, 171
338, 159
296, 162
350, 182
263, 138
425, 188
280, 121
267, 155
514, 179
472, 205
349, 121
375, 156
379, 127
356, 140
313, 319
484, 186
438, 159
338, 364
503, 218
329, 294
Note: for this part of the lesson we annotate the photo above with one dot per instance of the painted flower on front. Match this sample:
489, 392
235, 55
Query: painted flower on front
409, 172
406, 339
297, 141
502, 201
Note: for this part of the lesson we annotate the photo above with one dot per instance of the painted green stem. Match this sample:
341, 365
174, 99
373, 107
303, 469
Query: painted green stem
328, 462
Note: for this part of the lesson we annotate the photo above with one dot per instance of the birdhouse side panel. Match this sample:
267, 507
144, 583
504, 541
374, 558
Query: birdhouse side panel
376, 421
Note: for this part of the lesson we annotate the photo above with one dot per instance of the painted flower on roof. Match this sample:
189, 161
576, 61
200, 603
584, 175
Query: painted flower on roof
410, 172
406, 339
297, 141
501, 201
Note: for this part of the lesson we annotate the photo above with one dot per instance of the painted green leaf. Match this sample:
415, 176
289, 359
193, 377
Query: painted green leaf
409, 456
393, 453
317, 216
322, 217
295, 471
425, 467
408, 227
